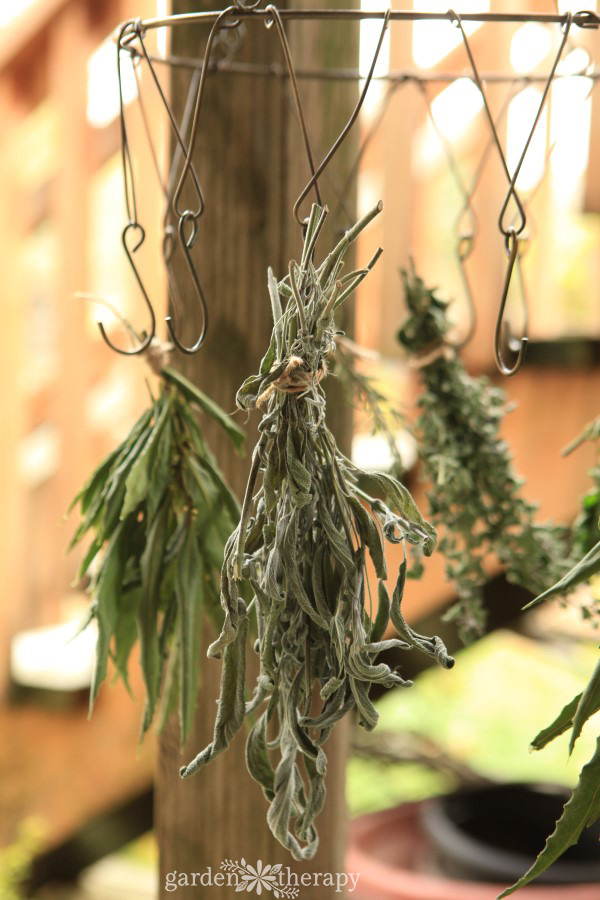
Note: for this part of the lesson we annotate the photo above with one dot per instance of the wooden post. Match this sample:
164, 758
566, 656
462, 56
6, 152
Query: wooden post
251, 165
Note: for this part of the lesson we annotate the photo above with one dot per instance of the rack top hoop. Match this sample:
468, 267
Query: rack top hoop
584, 18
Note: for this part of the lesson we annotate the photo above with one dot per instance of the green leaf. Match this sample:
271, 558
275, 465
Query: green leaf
95, 482
125, 633
107, 596
268, 359
401, 502
231, 502
582, 810
257, 758
161, 470
208, 406
188, 589
383, 614
137, 484
581, 571
152, 569
562, 723
587, 706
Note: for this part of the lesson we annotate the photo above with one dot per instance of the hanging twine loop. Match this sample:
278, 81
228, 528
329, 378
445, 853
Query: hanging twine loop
158, 354
295, 379
428, 355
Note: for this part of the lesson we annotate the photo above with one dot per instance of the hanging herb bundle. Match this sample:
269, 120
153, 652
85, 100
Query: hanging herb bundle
158, 512
475, 494
301, 546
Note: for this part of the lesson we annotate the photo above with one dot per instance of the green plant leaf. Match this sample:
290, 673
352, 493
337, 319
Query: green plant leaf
208, 406
582, 809
125, 633
562, 723
583, 570
152, 569
138, 482
587, 706
383, 614
107, 595
189, 578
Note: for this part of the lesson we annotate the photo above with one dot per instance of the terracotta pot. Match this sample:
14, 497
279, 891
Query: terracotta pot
396, 861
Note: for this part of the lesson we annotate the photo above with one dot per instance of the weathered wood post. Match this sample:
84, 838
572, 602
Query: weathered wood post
251, 163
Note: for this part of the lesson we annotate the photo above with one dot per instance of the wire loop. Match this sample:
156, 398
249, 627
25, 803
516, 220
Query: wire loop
512, 247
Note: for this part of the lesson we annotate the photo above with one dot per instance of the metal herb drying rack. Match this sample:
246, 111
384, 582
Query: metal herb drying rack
181, 224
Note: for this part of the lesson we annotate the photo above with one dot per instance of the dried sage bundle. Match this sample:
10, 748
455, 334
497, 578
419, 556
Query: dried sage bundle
159, 513
301, 546
475, 494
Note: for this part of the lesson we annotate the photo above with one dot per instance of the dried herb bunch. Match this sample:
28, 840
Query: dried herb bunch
159, 513
474, 494
301, 545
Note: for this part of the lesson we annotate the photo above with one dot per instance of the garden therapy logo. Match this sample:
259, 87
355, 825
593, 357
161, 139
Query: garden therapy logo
271, 880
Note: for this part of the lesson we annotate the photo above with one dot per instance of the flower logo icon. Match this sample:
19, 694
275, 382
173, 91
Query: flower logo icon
258, 878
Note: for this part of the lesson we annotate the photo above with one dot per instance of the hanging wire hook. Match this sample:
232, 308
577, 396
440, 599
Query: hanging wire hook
565, 30
131, 208
512, 248
129, 228
219, 23
186, 244
342, 135
457, 21
511, 232
287, 54
139, 33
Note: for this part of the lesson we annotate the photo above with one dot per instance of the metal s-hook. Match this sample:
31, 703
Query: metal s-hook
512, 246
149, 337
272, 10
342, 135
186, 244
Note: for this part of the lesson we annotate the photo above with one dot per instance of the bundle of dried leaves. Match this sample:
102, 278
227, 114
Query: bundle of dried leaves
159, 512
475, 495
301, 545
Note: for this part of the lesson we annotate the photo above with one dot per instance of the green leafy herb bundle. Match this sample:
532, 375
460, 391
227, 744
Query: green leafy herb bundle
159, 513
475, 494
301, 546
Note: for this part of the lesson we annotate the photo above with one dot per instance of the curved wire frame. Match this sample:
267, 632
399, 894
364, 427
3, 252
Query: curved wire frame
511, 232
342, 135
287, 54
132, 225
